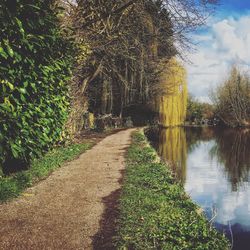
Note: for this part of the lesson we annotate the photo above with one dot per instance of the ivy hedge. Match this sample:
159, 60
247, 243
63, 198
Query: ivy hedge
35, 62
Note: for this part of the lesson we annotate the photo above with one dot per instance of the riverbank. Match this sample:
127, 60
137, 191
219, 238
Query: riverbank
155, 212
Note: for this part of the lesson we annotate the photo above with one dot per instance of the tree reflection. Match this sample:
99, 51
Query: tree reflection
196, 135
173, 149
233, 150
193, 135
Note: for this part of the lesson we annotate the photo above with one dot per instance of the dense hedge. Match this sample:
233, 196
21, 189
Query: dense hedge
34, 70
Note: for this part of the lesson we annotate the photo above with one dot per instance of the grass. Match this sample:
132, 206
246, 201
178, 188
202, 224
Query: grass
155, 212
14, 185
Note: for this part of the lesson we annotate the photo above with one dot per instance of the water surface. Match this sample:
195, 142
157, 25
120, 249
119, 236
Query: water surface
214, 165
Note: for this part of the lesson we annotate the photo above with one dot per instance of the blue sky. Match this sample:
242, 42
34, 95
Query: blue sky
223, 42
235, 5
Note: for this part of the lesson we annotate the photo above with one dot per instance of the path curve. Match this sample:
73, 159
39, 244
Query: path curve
65, 210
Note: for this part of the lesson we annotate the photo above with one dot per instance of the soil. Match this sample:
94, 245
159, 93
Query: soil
75, 207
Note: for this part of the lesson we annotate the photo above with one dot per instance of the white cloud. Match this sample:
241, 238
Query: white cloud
225, 43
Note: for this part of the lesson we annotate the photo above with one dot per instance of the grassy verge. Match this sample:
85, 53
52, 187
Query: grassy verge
155, 212
14, 185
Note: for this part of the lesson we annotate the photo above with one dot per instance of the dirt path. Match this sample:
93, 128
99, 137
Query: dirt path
74, 208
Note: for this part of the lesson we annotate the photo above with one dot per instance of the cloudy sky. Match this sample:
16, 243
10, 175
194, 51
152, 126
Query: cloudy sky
225, 41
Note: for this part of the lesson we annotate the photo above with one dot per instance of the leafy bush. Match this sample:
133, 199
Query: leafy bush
34, 70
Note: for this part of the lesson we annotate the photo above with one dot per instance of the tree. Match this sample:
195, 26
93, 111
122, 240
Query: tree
232, 99
194, 110
171, 98
128, 41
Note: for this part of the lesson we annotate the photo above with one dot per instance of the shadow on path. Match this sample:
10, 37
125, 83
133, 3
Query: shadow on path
103, 239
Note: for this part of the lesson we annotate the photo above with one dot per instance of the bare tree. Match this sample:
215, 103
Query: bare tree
232, 99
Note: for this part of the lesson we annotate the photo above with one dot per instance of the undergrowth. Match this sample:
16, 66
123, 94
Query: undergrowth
155, 212
14, 185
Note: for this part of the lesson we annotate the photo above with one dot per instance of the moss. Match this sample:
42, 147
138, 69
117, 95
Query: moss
155, 212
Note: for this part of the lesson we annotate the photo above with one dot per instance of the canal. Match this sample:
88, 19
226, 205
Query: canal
213, 164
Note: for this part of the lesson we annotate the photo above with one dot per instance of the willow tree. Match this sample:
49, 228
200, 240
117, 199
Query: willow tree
171, 94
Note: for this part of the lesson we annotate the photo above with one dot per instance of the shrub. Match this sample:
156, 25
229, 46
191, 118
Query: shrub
34, 70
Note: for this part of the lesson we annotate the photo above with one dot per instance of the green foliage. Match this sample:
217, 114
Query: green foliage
155, 212
34, 70
13, 185
196, 111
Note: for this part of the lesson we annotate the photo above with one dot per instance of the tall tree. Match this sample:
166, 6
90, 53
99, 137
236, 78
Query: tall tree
127, 41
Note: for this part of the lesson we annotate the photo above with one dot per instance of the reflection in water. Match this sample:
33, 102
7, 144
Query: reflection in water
214, 165
233, 150
195, 135
173, 149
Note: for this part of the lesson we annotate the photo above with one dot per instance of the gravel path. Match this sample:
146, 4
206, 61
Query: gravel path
74, 208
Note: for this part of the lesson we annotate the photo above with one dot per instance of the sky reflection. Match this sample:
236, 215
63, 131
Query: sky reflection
215, 173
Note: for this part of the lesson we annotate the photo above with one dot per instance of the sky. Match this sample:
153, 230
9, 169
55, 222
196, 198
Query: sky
223, 42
